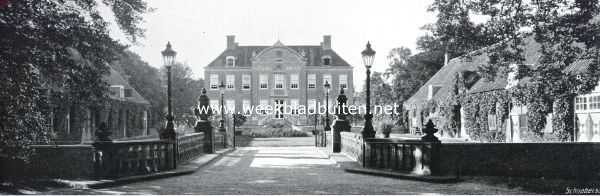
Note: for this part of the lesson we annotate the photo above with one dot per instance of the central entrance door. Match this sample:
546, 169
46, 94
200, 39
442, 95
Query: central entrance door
279, 104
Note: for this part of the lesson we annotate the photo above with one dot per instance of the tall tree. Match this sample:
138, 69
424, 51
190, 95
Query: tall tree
381, 92
147, 81
42, 44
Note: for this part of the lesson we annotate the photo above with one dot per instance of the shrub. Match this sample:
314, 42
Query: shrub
277, 132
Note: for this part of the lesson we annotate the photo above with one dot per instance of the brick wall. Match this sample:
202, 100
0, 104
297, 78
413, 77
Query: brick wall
563, 160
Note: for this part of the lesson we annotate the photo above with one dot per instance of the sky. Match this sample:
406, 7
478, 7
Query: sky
198, 29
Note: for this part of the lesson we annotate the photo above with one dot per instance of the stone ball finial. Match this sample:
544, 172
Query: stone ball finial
341, 91
203, 91
429, 131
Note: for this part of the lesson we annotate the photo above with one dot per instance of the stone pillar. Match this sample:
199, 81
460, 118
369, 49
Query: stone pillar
429, 131
203, 124
341, 123
431, 151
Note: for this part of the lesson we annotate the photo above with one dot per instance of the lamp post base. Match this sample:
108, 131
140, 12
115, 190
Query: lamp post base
368, 130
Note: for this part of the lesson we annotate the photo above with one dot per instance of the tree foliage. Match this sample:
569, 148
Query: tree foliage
185, 92
59, 45
147, 81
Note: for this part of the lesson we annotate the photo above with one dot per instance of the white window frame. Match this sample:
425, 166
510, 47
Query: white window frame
246, 82
263, 81
214, 81
230, 105
294, 103
311, 81
230, 59
279, 80
214, 104
246, 107
230, 82
294, 81
343, 81
263, 104
312, 106
492, 122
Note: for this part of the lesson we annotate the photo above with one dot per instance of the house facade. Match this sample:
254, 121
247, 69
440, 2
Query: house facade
126, 114
486, 111
279, 76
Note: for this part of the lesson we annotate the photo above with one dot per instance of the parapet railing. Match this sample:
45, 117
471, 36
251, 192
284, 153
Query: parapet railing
410, 156
124, 158
189, 146
352, 145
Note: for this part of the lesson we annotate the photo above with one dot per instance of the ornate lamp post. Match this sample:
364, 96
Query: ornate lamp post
222, 121
368, 55
169, 132
327, 86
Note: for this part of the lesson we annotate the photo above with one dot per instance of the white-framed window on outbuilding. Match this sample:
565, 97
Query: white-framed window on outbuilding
312, 80
594, 102
246, 80
492, 122
523, 122
230, 81
214, 81
294, 81
581, 103
230, 61
263, 81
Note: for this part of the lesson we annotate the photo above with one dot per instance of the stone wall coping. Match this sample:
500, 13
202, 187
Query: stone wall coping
62, 146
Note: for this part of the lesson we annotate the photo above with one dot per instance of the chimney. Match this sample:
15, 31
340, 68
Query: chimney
231, 42
326, 44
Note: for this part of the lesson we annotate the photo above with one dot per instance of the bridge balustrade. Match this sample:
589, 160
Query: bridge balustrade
189, 146
412, 156
124, 158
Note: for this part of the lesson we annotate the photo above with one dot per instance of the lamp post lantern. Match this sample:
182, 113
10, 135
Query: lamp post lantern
368, 55
222, 121
327, 87
169, 132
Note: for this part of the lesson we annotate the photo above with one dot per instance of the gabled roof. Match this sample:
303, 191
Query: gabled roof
244, 55
112, 78
445, 77
115, 78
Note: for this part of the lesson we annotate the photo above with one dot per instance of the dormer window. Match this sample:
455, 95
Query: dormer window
326, 60
230, 61
117, 91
